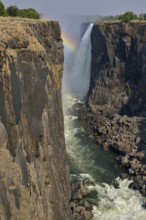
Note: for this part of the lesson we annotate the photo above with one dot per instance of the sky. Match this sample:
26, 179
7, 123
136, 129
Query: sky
55, 8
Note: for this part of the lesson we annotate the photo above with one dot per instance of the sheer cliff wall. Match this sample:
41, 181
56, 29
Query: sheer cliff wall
118, 68
34, 175
116, 116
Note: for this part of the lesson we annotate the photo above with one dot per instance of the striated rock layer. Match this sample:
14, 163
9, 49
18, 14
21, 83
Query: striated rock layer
34, 175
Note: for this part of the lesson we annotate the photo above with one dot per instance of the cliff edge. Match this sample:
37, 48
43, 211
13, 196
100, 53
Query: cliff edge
34, 175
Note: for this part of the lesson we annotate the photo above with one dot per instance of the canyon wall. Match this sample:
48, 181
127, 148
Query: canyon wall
118, 83
116, 113
34, 174
118, 68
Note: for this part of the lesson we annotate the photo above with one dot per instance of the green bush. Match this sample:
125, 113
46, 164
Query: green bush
28, 13
12, 11
128, 16
2, 9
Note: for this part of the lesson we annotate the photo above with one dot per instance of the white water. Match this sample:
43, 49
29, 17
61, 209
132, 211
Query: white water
119, 204
87, 160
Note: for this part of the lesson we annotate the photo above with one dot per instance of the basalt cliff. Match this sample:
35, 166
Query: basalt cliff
116, 114
118, 69
34, 174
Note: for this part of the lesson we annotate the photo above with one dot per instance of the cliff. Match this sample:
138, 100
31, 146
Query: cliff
116, 113
118, 70
34, 175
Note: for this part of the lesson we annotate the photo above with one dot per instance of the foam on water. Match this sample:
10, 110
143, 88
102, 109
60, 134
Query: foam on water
118, 203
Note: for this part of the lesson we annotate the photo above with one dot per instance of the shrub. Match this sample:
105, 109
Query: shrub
12, 11
28, 13
128, 16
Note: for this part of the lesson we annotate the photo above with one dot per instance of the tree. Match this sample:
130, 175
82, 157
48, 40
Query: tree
2, 9
28, 13
128, 16
12, 11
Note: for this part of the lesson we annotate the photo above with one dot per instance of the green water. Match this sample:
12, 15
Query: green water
84, 155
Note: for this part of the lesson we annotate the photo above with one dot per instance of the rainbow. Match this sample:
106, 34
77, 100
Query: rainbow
69, 43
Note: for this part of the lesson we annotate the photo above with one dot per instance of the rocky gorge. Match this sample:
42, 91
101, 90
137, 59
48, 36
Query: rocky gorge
115, 112
34, 171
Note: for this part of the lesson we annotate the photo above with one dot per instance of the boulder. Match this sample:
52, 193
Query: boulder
123, 176
125, 160
138, 180
135, 164
88, 206
88, 182
83, 189
133, 185
76, 195
131, 172
88, 215
140, 155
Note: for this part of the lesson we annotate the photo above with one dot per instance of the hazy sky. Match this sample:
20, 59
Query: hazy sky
54, 8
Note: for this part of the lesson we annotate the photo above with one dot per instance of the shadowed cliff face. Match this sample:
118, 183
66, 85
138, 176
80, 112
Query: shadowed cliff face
34, 175
116, 117
118, 69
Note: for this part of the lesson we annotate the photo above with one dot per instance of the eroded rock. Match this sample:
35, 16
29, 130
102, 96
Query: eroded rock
80, 206
34, 174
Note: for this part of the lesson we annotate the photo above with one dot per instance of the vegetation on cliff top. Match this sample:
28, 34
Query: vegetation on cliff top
2, 9
13, 11
126, 17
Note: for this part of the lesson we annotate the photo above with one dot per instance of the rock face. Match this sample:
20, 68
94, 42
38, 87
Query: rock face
118, 83
34, 175
116, 113
118, 70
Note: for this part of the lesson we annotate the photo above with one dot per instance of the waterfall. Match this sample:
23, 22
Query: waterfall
79, 76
